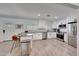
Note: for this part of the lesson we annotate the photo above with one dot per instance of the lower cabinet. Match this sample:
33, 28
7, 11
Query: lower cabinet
37, 36
66, 37
51, 35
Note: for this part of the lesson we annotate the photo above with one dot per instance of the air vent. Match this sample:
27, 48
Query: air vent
70, 5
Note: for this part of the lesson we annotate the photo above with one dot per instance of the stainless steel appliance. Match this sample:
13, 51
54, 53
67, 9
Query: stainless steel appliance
72, 34
60, 36
44, 36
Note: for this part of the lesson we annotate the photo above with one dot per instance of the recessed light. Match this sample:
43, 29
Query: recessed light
38, 15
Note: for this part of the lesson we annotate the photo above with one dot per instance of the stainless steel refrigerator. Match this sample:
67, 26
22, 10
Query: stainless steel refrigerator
72, 34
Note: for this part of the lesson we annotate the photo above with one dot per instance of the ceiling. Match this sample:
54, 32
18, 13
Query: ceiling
43, 11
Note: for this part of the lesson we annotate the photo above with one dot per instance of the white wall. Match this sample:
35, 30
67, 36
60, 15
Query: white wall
78, 36
78, 33
28, 24
1, 35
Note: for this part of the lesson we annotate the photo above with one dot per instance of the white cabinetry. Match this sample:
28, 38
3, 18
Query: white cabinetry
51, 35
66, 37
37, 36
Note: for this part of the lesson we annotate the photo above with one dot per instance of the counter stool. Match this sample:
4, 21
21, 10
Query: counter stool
15, 40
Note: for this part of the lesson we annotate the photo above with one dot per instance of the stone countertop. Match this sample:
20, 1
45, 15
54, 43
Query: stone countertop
41, 31
37, 31
62, 33
31, 32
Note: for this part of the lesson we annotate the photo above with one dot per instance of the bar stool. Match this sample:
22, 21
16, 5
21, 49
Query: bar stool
15, 42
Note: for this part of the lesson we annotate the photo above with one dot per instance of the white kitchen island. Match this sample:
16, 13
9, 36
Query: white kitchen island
37, 35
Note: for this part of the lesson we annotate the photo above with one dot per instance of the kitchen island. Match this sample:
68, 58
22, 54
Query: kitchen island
37, 34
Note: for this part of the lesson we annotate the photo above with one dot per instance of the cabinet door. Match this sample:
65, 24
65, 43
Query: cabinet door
37, 36
51, 35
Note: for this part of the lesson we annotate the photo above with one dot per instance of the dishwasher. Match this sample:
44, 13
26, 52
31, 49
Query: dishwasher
44, 36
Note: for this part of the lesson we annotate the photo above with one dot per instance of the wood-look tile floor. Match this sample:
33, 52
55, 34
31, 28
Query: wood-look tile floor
49, 47
52, 47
